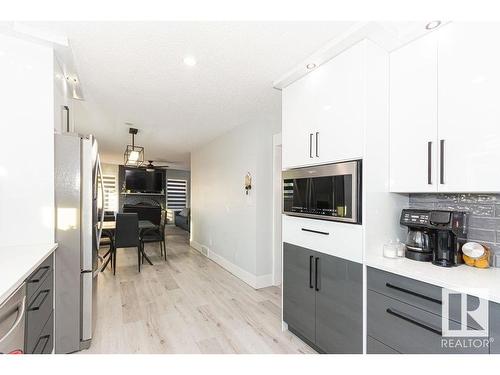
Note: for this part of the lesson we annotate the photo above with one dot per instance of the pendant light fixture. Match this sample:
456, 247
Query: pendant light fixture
134, 155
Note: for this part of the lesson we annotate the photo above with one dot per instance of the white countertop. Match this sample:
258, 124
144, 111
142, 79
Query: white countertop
18, 262
483, 283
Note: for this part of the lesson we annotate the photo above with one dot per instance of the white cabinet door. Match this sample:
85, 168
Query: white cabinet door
469, 109
297, 121
339, 107
413, 116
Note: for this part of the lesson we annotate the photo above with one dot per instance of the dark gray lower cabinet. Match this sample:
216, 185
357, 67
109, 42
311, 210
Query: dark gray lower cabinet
299, 299
39, 338
374, 346
339, 305
405, 315
323, 299
494, 326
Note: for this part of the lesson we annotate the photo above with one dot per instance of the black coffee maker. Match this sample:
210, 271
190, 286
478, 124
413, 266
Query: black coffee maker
439, 232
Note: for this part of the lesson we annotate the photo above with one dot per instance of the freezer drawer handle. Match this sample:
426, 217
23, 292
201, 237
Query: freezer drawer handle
36, 279
46, 338
413, 293
414, 321
310, 271
315, 231
45, 293
21, 309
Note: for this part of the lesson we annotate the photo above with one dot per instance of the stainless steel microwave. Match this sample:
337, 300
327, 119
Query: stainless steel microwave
327, 192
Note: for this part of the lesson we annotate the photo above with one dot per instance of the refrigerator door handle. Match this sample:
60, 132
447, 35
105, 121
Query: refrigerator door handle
101, 220
86, 306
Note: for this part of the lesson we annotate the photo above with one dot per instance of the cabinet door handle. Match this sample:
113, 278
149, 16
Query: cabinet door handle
316, 286
311, 145
45, 294
429, 163
45, 339
39, 274
413, 293
317, 142
441, 162
414, 321
310, 271
315, 231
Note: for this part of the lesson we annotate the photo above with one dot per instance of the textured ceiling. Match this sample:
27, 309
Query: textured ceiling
134, 72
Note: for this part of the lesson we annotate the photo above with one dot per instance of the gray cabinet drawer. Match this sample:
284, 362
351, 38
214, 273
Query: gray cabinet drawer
374, 346
419, 294
494, 328
408, 329
38, 277
416, 293
45, 342
39, 309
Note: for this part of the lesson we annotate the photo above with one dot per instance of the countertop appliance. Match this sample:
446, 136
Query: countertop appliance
433, 235
12, 317
328, 192
79, 201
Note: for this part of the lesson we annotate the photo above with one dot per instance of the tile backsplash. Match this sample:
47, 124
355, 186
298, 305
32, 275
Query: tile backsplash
483, 218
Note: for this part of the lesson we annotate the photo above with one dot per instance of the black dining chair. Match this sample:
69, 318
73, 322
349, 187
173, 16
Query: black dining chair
127, 235
156, 235
107, 241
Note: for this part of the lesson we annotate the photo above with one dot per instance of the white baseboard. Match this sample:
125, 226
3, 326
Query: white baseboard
254, 281
199, 247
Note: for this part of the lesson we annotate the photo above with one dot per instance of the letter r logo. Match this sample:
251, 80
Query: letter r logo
463, 316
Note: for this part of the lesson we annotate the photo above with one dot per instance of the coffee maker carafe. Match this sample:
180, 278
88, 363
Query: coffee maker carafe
448, 226
433, 235
419, 240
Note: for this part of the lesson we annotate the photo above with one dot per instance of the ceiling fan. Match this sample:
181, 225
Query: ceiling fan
150, 167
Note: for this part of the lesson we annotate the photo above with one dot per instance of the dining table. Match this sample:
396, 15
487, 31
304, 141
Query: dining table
108, 230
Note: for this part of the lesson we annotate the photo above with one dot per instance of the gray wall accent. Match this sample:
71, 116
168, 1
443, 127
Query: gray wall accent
483, 218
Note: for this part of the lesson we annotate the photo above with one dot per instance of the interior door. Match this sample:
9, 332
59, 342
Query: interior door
413, 116
339, 305
298, 290
469, 113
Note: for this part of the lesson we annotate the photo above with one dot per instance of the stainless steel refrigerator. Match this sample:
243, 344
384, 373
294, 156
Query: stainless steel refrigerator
79, 209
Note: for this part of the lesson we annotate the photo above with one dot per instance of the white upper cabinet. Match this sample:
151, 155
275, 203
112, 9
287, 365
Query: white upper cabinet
444, 90
469, 109
298, 121
413, 116
339, 106
323, 112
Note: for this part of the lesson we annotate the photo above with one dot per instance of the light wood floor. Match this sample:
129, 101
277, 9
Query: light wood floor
187, 304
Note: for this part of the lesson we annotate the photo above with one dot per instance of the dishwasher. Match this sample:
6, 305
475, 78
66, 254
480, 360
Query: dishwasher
12, 315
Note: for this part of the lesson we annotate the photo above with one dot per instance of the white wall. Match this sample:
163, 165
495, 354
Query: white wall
27, 152
236, 228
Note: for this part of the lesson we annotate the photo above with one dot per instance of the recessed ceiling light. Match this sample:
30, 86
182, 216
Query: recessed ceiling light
189, 61
311, 66
432, 25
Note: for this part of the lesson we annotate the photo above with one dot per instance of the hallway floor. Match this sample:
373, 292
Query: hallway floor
187, 304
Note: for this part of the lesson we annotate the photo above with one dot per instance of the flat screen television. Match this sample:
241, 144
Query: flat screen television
142, 181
